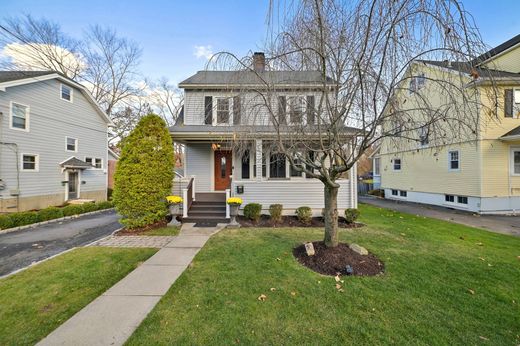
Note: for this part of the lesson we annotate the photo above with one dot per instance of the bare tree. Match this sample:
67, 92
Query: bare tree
36, 44
167, 100
369, 54
126, 118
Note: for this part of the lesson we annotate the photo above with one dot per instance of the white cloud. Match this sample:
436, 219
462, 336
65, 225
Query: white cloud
205, 52
31, 57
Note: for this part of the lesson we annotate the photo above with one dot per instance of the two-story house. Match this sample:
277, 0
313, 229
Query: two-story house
217, 107
53, 141
478, 172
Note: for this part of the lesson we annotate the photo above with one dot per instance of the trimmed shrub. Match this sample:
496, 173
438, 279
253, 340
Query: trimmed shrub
6, 221
275, 210
351, 215
304, 214
89, 207
105, 205
50, 213
253, 211
144, 173
24, 218
72, 209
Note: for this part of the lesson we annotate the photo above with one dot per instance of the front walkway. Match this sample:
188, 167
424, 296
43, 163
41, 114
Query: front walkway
111, 318
495, 223
134, 241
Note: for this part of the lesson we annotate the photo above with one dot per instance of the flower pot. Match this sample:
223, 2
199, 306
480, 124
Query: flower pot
233, 212
175, 210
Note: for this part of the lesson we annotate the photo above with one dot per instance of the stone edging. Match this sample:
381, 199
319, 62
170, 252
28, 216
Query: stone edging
33, 225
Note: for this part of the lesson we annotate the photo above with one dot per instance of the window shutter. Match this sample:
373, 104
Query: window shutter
208, 110
508, 103
310, 110
282, 110
237, 108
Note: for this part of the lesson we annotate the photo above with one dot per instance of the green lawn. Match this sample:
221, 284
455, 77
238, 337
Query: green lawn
438, 289
36, 301
163, 231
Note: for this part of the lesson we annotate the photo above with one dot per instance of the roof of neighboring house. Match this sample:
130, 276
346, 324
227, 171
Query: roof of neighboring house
466, 67
8, 76
498, 49
74, 162
247, 77
513, 132
15, 78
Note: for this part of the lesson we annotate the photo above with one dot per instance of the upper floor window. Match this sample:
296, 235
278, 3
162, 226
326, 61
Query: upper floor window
417, 83
71, 144
423, 136
397, 164
66, 93
222, 111
296, 109
30, 162
310, 110
19, 117
282, 110
453, 160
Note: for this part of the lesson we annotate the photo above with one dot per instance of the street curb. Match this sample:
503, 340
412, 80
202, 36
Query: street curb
65, 218
58, 254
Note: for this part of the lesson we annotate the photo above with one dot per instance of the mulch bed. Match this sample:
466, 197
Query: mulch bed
333, 261
141, 230
292, 221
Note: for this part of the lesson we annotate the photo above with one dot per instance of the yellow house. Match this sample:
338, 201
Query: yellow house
479, 171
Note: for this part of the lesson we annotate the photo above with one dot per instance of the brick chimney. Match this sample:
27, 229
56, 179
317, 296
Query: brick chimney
259, 61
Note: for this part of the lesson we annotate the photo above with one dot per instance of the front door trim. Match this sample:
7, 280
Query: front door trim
221, 184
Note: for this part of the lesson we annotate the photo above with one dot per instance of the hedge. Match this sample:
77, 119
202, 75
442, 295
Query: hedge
29, 217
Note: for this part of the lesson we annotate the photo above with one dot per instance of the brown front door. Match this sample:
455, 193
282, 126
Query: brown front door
223, 166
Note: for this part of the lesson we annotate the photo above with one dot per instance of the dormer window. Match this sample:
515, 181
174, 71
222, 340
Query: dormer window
223, 111
417, 83
66, 93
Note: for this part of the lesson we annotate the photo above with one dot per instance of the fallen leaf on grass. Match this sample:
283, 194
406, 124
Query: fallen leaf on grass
293, 293
404, 235
262, 297
272, 289
482, 258
480, 244
337, 278
490, 265
471, 291
338, 286
278, 259
483, 337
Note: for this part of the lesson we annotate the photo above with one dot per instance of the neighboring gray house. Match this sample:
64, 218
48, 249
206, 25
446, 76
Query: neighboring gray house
215, 106
53, 141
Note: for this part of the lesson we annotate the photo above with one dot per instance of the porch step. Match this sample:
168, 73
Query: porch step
208, 213
198, 218
208, 207
210, 197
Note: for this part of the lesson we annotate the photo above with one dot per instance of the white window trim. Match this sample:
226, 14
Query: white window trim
374, 166
512, 161
94, 162
449, 160
71, 93
36, 162
27, 116
75, 145
215, 113
400, 164
303, 99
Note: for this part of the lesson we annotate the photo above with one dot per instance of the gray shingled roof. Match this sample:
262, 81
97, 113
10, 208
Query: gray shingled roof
74, 162
466, 67
8, 76
229, 78
513, 132
498, 49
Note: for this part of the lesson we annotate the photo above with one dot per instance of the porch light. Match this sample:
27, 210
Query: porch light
215, 146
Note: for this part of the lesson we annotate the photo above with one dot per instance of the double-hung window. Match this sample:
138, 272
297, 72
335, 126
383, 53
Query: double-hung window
454, 160
66, 93
296, 109
277, 166
71, 144
30, 162
515, 161
96, 162
223, 111
19, 117
377, 163
397, 164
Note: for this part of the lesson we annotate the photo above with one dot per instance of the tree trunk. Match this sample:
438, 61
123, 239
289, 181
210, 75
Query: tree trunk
331, 215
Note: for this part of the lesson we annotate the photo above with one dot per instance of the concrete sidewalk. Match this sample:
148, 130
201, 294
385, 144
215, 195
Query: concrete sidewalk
113, 317
504, 224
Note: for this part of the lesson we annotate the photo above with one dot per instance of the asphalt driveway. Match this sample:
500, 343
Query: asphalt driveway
20, 248
504, 224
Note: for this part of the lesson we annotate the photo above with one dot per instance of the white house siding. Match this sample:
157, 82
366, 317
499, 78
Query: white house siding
51, 120
199, 162
292, 194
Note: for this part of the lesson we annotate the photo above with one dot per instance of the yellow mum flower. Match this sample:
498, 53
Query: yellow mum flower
234, 200
174, 199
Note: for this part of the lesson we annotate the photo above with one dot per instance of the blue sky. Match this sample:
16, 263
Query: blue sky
170, 31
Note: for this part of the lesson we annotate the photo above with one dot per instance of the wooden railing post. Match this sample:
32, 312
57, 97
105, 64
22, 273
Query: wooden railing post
184, 202
193, 187
228, 194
